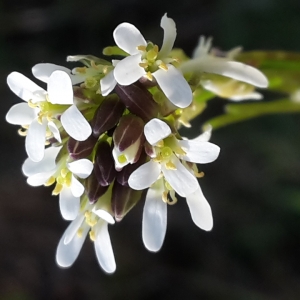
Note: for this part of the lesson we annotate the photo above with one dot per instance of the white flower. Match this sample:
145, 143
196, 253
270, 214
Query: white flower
203, 61
41, 111
146, 60
167, 153
155, 210
71, 242
46, 171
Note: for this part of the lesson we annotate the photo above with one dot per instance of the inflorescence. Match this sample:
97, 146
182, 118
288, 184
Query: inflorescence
105, 135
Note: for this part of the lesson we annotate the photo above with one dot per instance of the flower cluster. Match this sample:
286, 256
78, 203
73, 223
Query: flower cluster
110, 129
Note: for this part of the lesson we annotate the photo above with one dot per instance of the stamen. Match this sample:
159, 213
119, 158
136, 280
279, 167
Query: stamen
165, 196
58, 188
80, 70
47, 143
22, 132
143, 65
31, 104
160, 143
141, 48
50, 181
92, 235
163, 66
79, 232
149, 76
64, 172
199, 174
179, 151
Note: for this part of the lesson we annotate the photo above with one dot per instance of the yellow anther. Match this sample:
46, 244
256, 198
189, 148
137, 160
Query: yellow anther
25, 126
60, 180
40, 119
58, 188
48, 133
49, 117
80, 70
173, 201
155, 48
163, 66
141, 48
87, 214
92, 235
50, 181
165, 197
64, 172
47, 143
31, 104
149, 76
68, 181
91, 222
160, 144
158, 158
199, 174
143, 65
22, 132
179, 151
79, 232
170, 166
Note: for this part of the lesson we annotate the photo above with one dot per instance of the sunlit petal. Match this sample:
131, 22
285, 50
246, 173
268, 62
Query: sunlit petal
156, 130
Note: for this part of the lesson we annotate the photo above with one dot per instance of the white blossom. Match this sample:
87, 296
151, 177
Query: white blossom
145, 59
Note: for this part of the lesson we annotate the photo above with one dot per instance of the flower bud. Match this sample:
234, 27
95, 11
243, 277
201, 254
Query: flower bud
78, 150
107, 115
138, 100
123, 200
129, 139
104, 164
93, 189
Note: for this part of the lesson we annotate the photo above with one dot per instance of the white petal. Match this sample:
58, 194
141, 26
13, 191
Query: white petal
200, 210
232, 69
22, 86
128, 71
68, 204
156, 130
75, 124
108, 83
35, 140
103, 249
77, 188
169, 27
198, 151
43, 71
82, 167
60, 88
66, 254
39, 179
73, 228
128, 37
174, 86
144, 176
181, 180
154, 220
47, 164
55, 131
252, 96
205, 136
20, 114
103, 214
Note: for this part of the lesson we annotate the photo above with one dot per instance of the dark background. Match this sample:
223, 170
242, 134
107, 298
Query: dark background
253, 188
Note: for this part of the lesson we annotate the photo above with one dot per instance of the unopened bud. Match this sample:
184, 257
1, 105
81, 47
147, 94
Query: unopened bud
93, 189
104, 167
78, 150
123, 200
107, 115
138, 100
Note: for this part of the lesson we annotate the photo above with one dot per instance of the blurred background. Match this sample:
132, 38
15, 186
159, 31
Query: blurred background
253, 188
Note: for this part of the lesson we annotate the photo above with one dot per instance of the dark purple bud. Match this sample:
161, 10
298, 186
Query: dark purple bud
107, 115
128, 132
78, 150
104, 166
122, 176
123, 200
93, 189
138, 100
